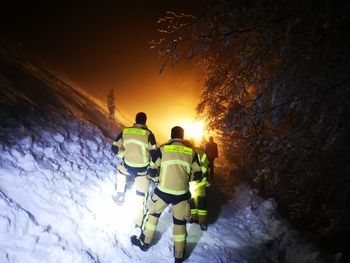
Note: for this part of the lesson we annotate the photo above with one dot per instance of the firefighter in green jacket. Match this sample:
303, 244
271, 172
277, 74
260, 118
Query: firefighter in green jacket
135, 146
178, 165
198, 201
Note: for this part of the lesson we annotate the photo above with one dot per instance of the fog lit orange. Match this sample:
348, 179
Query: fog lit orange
194, 130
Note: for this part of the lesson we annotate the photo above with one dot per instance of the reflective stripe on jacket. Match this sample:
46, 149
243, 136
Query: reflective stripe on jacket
135, 145
178, 165
203, 159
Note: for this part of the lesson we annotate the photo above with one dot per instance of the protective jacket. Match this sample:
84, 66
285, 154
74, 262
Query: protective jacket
197, 188
203, 159
198, 202
135, 145
178, 165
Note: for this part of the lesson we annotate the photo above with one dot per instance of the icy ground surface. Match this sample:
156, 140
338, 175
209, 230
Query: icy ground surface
56, 182
55, 206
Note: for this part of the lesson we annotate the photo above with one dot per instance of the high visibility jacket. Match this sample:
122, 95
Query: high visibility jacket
135, 145
203, 159
198, 188
178, 165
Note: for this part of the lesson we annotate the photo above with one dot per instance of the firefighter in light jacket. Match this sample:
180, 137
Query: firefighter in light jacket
135, 146
178, 165
198, 201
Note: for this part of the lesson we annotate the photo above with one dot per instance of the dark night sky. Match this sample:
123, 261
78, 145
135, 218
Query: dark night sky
100, 45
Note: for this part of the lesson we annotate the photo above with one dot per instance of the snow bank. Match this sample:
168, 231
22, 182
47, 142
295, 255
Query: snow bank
259, 219
56, 182
50, 180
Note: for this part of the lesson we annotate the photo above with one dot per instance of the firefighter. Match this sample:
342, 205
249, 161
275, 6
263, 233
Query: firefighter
198, 201
135, 146
178, 165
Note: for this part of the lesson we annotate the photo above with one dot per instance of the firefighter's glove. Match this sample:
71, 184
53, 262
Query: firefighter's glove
152, 172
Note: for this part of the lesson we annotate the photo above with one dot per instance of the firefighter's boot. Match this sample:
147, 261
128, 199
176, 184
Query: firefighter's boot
139, 243
119, 198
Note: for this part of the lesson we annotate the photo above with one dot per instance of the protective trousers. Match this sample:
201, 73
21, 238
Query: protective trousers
198, 202
179, 210
142, 184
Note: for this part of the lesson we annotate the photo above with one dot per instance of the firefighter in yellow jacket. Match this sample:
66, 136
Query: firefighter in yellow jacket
135, 146
178, 165
198, 201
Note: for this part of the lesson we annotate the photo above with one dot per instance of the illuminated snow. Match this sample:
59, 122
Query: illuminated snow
56, 186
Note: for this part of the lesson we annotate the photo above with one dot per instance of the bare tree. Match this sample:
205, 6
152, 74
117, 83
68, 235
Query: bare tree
277, 89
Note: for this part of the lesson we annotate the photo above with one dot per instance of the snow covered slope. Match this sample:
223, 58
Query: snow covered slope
56, 182
26, 86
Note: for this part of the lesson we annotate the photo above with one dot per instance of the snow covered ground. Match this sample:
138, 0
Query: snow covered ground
56, 182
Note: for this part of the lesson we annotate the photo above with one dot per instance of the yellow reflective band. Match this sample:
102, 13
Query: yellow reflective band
172, 192
179, 238
136, 142
203, 182
204, 157
202, 212
204, 170
165, 165
145, 204
115, 143
134, 131
164, 172
150, 226
145, 219
144, 153
194, 211
131, 164
178, 148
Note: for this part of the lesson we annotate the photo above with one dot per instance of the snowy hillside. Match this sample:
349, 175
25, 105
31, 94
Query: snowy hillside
56, 182
26, 86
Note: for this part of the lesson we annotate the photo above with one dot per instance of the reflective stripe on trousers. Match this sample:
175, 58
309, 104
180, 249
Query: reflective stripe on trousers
180, 211
142, 186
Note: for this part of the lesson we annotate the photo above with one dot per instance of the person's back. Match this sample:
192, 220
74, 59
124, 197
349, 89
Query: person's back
178, 164
135, 146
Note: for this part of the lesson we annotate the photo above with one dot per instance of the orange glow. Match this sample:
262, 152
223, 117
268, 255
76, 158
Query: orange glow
168, 100
194, 130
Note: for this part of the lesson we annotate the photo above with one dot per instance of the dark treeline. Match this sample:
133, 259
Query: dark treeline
277, 89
